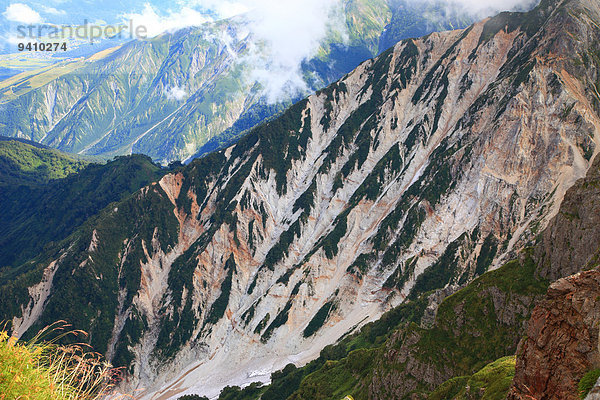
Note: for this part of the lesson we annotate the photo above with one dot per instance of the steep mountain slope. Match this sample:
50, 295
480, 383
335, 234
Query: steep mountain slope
417, 345
413, 354
422, 168
169, 96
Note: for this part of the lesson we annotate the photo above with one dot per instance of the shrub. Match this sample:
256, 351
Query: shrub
192, 397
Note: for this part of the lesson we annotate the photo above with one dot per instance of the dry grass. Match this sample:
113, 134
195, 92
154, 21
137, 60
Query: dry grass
43, 369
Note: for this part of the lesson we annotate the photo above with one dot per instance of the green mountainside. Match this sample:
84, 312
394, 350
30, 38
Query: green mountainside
26, 162
38, 216
416, 19
492, 382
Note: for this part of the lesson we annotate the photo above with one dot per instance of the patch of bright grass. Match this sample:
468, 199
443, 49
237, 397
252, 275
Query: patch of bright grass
38, 370
492, 382
587, 382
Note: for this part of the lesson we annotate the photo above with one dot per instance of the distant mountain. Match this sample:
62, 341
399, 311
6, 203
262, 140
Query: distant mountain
183, 94
442, 158
419, 18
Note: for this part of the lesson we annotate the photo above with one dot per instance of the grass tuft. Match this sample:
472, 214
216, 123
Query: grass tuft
42, 369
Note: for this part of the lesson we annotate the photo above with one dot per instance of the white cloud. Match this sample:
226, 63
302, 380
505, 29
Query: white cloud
477, 6
10, 40
228, 10
283, 33
481, 9
175, 93
53, 11
292, 31
156, 24
22, 13
222, 8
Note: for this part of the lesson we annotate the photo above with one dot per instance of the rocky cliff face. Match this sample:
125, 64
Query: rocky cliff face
422, 168
570, 243
447, 337
562, 340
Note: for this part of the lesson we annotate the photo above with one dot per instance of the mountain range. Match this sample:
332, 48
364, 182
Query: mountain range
352, 233
185, 93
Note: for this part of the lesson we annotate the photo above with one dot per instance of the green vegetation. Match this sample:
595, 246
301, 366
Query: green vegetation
192, 397
282, 141
36, 217
25, 163
492, 382
235, 393
262, 324
371, 187
278, 321
220, 305
40, 370
440, 273
335, 379
587, 382
483, 337
319, 319
331, 241
96, 233
487, 254
281, 248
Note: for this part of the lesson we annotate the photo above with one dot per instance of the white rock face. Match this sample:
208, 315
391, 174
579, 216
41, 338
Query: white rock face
39, 294
433, 144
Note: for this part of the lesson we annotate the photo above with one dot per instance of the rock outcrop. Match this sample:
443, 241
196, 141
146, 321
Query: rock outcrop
571, 242
561, 342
